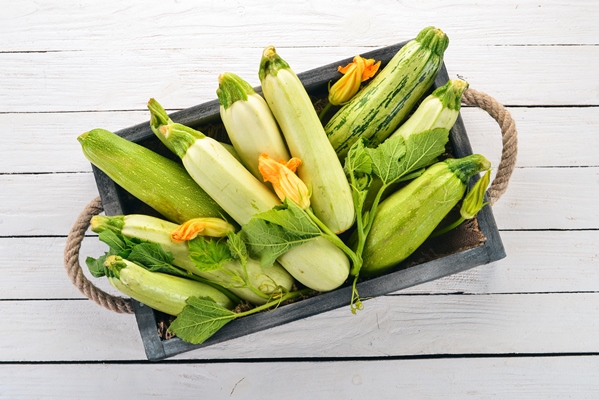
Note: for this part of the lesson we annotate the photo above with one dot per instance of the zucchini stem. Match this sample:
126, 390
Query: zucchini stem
276, 302
449, 227
324, 110
331, 236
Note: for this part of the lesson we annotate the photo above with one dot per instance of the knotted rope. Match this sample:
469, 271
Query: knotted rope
74, 271
509, 137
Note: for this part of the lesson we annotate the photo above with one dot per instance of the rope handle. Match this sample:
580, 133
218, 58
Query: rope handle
509, 137
121, 305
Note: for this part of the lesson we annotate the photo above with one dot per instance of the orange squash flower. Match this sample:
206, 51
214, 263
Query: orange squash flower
284, 180
212, 227
354, 74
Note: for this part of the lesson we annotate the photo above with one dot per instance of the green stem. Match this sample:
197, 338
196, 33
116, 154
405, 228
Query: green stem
454, 225
373, 209
330, 235
356, 302
288, 296
324, 110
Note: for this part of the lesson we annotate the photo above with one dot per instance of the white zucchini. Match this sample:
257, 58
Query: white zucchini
249, 122
156, 230
318, 264
321, 169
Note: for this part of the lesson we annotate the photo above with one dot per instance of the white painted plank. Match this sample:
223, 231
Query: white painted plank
46, 142
549, 198
179, 78
33, 268
537, 198
546, 136
388, 326
545, 261
537, 262
34, 26
542, 378
43, 204
67, 330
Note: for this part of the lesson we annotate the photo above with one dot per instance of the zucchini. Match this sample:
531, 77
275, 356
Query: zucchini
159, 182
438, 110
378, 109
407, 218
249, 122
155, 230
318, 264
321, 170
159, 291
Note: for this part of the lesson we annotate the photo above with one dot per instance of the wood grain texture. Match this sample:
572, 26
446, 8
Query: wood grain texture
568, 201
69, 25
125, 80
543, 378
36, 268
563, 137
388, 326
538, 262
67, 67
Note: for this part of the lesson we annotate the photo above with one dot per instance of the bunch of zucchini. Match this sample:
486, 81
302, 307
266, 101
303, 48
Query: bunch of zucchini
368, 171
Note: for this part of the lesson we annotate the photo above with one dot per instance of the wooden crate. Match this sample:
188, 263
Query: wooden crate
426, 265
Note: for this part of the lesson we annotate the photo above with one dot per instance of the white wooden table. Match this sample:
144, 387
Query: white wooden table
524, 327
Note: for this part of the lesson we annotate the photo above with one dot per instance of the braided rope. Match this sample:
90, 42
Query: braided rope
74, 271
509, 138
120, 305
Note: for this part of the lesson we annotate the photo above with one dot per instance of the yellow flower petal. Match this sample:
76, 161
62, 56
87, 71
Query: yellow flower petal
286, 183
354, 74
212, 227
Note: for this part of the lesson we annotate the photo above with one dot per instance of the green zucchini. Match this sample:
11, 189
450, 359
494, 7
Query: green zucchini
160, 291
269, 281
377, 110
159, 182
407, 218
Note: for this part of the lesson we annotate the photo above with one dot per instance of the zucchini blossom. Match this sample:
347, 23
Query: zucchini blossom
474, 200
354, 74
212, 227
284, 180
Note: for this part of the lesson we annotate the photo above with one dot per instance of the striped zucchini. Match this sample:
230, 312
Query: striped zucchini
321, 170
438, 110
318, 264
378, 109
157, 181
249, 122
406, 218
156, 230
159, 291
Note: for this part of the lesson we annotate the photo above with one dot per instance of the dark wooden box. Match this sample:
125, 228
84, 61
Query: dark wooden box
116, 201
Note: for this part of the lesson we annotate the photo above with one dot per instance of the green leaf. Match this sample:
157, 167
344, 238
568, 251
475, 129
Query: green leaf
152, 257
292, 218
396, 157
96, 265
385, 158
115, 241
237, 247
422, 149
208, 254
200, 319
358, 160
267, 241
